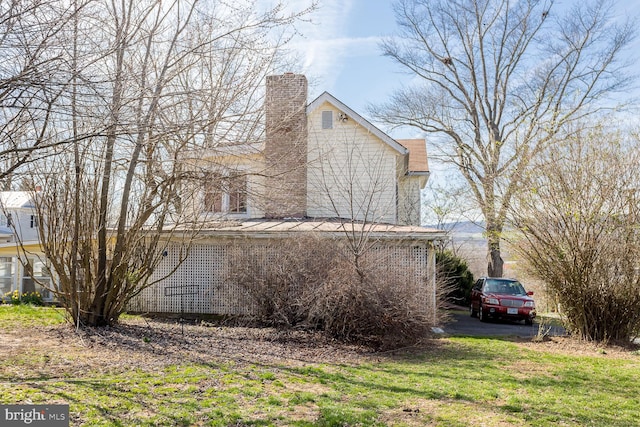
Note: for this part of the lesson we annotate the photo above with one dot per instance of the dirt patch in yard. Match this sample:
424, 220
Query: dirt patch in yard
152, 345
573, 346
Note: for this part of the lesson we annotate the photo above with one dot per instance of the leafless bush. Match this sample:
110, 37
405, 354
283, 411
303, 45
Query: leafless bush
313, 284
381, 309
579, 224
279, 278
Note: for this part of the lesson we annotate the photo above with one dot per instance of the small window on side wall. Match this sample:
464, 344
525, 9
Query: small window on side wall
327, 120
226, 194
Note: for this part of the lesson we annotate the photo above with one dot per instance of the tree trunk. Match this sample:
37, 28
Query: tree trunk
103, 227
495, 261
495, 266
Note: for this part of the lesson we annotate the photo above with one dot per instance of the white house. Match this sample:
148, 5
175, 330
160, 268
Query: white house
18, 218
321, 169
318, 160
22, 270
350, 160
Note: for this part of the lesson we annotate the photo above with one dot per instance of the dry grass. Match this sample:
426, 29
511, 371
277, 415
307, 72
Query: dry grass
152, 345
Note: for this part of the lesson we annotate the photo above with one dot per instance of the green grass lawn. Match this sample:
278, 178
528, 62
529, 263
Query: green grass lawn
453, 381
12, 316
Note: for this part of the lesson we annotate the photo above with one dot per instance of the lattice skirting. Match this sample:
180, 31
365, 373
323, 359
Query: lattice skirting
202, 284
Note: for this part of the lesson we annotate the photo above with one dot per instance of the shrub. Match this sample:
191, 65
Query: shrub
379, 309
578, 228
313, 284
454, 271
279, 279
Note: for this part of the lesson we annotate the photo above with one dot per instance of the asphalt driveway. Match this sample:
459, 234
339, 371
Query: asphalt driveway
463, 324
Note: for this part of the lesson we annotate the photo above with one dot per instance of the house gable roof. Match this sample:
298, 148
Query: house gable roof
327, 97
16, 199
418, 161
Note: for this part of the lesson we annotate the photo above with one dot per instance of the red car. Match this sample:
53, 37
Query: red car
494, 297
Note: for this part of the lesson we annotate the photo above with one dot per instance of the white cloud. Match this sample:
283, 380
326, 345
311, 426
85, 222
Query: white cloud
325, 57
325, 46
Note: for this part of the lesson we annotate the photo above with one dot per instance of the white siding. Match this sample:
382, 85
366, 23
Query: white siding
351, 173
409, 203
24, 224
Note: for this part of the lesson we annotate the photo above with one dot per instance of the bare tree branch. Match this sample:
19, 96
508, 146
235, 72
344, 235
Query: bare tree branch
149, 83
499, 80
578, 230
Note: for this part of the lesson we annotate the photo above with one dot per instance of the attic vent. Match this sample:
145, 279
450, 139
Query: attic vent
327, 120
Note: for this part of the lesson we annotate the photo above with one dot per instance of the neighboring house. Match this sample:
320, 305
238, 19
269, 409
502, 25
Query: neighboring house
19, 225
18, 219
322, 169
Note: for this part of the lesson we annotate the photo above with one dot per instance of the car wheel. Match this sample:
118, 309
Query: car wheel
528, 321
481, 315
472, 312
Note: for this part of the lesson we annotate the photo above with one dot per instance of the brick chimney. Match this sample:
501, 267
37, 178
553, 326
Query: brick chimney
286, 146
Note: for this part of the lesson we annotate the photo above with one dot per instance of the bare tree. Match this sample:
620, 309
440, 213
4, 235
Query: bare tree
347, 279
32, 79
578, 222
162, 80
357, 179
497, 80
446, 206
353, 185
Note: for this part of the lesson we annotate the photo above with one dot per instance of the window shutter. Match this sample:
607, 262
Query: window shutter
327, 120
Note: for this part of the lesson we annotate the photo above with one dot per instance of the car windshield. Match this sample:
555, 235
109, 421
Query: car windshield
506, 287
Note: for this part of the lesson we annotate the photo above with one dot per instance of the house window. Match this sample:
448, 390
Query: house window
213, 193
6, 275
327, 120
36, 278
226, 194
34, 221
238, 194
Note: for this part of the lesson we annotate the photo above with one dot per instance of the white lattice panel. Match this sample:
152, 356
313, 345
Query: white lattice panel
202, 284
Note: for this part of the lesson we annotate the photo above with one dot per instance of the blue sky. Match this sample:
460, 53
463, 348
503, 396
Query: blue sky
341, 52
